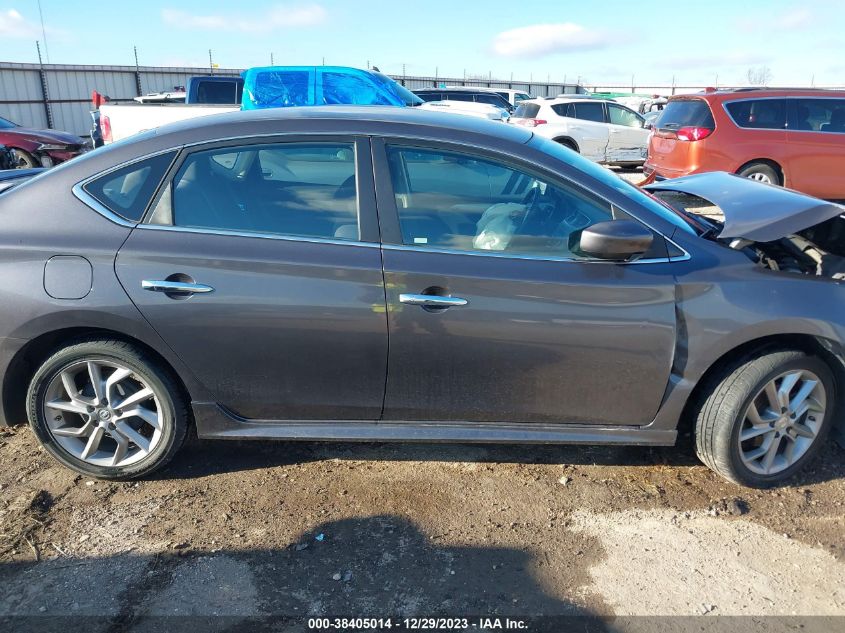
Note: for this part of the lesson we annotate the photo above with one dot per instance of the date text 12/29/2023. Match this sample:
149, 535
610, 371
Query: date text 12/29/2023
418, 624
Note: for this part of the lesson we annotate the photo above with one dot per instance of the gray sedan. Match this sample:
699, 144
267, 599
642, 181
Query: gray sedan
387, 274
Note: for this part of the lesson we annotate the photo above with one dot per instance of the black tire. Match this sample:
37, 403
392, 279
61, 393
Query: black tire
25, 159
720, 418
570, 144
760, 171
173, 412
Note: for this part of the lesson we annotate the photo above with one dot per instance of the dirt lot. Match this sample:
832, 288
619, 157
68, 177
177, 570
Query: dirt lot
300, 528
247, 529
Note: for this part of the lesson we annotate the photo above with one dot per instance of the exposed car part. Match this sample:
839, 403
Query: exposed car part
779, 228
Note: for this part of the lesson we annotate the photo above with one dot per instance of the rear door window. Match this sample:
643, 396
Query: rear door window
817, 115
127, 191
590, 111
492, 99
295, 189
564, 109
458, 96
686, 113
761, 114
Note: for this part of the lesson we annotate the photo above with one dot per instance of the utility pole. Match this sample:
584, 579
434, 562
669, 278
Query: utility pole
44, 93
210, 63
137, 73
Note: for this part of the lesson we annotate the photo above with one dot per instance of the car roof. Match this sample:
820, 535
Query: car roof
751, 93
328, 121
478, 89
458, 89
334, 114
556, 100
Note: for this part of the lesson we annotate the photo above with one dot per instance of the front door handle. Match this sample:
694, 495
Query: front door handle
432, 301
174, 286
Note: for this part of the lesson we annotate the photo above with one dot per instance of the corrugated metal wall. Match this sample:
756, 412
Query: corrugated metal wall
68, 88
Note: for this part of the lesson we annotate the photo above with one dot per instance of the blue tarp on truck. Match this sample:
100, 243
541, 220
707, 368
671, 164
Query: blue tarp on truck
288, 86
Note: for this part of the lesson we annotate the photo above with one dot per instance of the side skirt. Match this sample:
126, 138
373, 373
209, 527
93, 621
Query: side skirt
214, 422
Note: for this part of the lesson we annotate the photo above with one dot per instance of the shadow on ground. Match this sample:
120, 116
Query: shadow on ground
207, 457
380, 566
202, 458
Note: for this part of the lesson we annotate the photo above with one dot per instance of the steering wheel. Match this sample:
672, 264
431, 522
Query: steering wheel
531, 200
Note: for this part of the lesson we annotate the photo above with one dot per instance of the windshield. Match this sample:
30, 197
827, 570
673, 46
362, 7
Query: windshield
401, 91
5, 124
610, 179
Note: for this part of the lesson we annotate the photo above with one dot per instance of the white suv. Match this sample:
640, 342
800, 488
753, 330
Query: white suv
603, 131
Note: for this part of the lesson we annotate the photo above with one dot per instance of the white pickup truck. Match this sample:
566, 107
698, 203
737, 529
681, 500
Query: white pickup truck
119, 121
278, 86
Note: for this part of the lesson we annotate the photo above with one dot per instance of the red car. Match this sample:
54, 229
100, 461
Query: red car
789, 137
39, 148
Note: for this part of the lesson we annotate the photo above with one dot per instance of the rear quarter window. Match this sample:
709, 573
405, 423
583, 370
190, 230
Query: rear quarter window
687, 113
765, 114
126, 192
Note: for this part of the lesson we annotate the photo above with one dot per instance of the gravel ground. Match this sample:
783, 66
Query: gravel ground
248, 529
244, 529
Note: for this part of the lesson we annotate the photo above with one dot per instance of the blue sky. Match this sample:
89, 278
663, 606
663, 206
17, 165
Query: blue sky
699, 43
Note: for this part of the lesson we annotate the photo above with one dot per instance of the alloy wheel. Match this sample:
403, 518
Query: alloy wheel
103, 413
760, 177
782, 422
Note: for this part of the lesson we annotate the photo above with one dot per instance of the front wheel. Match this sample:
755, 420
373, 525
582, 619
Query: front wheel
767, 418
25, 160
106, 409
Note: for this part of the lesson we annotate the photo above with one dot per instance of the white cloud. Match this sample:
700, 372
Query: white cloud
13, 24
722, 60
278, 17
548, 39
794, 20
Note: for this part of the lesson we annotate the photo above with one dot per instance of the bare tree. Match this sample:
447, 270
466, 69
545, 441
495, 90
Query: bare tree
760, 76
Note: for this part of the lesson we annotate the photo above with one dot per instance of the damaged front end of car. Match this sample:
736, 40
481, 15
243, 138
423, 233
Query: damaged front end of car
778, 228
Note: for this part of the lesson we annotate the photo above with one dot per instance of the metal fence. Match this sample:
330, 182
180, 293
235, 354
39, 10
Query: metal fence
59, 95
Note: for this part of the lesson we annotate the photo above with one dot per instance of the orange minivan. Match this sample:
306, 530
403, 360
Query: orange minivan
794, 138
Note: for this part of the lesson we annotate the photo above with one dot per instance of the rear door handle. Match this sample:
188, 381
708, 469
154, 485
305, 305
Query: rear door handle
432, 301
174, 286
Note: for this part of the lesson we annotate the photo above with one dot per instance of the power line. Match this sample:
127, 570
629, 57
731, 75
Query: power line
43, 32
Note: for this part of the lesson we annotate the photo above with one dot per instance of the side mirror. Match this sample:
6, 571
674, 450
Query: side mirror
617, 240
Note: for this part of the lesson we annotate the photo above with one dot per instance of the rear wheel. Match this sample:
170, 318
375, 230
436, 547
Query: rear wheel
567, 143
761, 172
766, 418
105, 409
